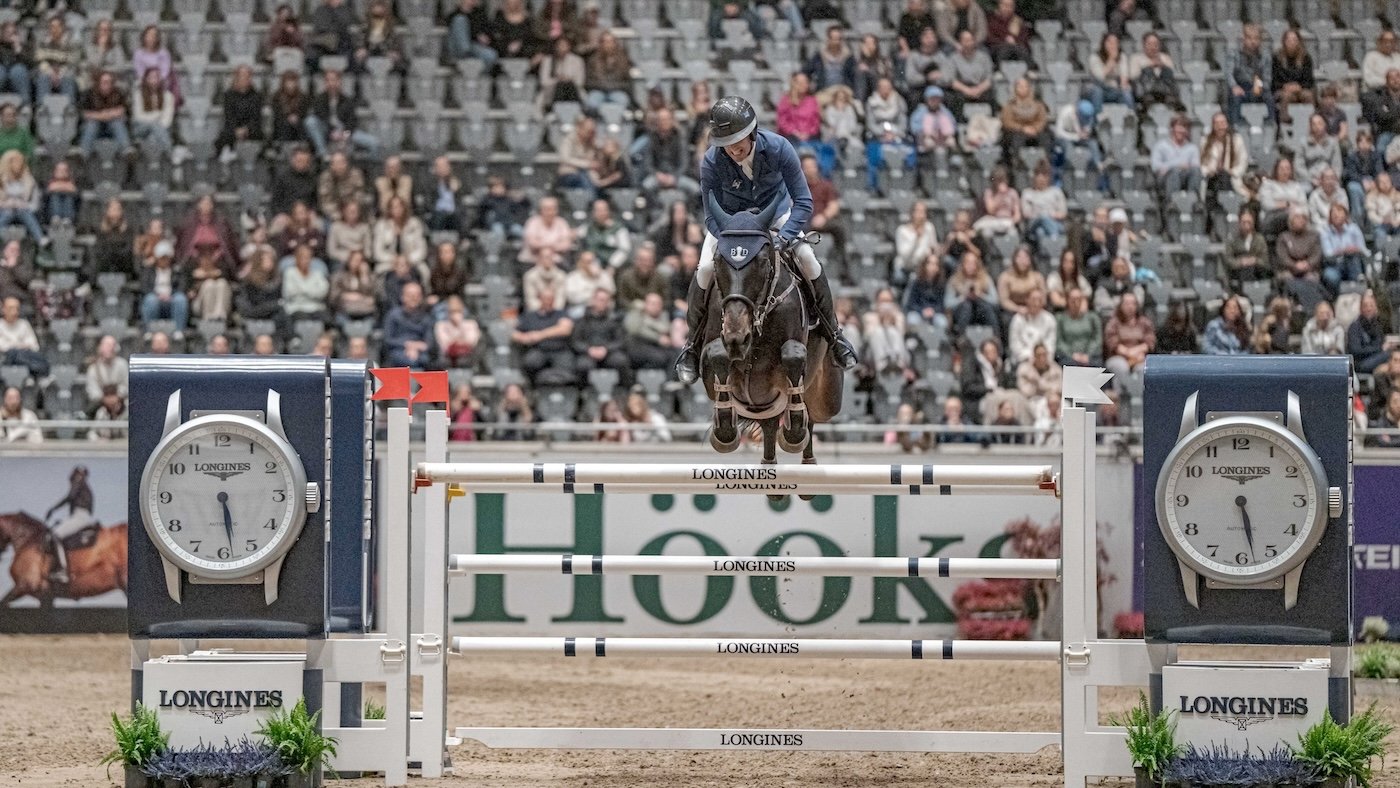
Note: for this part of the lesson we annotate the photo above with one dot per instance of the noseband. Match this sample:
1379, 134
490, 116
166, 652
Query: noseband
771, 296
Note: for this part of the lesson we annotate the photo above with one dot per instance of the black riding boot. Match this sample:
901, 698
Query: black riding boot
59, 572
697, 309
842, 352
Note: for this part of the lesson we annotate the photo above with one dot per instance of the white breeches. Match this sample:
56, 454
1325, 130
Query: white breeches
75, 522
806, 257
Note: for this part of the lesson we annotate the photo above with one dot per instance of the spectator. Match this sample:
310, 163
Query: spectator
1381, 108
159, 344
956, 426
984, 373
872, 65
1037, 377
104, 113
349, 234
698, 108
468, 34
1271, 335
886, 126
332, 122
799, 116
1016, 283
610, 168
577, 152
19, 195
259, 295
442, 198
1128, 338
915, 242
400, 274
832, 65
557, 19
1319, 150
1178, 332
648, 328
111, 408
1249, 74
546, 229
1068, 274
325, 345
1001, 206
57, 54
283, 32
1078, 332
1224, 158
243, 111
1008, 35
457, 335
1044, 206
304, 289
104, 52
1153, 75
598, 338
638, 411
353, 290
1366, 340
1280, 195
18, 423
543, 275
164, 287
340, 183
609, 79
1383, 208
379, 37
332, 32
1074, 128
392, 182
958, 17
925, 293
909, 440
1246, 253
399, 232
1386, 379
13, 134
290, 107
153, 54
664, 159
913, 21
923, 64
1025, 121
971, 299
62, 198
1123, 12
408, 331
1108, 66
542, 334
296, 183
467, 412
885, 348
112, 244
1298, 251
1176, 161
1322, 334
640, 278
206, 232
1293, 80
1380, 60
604, 236
500, 211
587, 278
1344, 250
826, 206
842, 126
1034, 327
1389, 420
1228, 334
15, 63
513, 415
689, 263
676, 230
968, 74
16, 274
448, 277
933, 127
1332, 113
19, 345
211, 295
1361, 165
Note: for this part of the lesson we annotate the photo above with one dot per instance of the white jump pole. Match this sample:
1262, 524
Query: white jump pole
681, 478
750, 488
761, 647
833, 566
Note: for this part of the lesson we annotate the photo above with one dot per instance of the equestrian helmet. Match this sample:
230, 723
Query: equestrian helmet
731, 120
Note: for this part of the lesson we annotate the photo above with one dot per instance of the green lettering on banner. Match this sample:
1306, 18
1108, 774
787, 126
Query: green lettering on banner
491, 540
885, 601
718, 588
835, 590
992, 549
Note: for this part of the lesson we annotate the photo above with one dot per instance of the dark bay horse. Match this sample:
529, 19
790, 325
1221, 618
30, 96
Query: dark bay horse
763, 360
96, 569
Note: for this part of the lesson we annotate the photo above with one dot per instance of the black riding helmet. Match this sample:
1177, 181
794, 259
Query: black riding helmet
731, 119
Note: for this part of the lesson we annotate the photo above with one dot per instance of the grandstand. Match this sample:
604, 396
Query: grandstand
506, 189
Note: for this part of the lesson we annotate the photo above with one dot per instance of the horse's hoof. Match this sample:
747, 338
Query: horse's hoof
720, 445
790, 446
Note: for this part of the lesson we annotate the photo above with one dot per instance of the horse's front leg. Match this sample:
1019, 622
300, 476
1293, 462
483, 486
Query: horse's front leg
724, 430
794, 433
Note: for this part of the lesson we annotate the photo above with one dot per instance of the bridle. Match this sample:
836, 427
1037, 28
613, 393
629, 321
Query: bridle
771, 297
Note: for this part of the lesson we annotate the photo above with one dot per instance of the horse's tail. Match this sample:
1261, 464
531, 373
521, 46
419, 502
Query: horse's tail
750, 427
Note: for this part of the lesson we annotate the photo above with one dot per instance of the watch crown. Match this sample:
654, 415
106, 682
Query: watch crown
1334, 502
313, 497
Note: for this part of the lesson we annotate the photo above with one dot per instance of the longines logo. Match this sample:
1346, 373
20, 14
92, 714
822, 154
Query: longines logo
1243, 712
219, 705
735, 474
223, 470
1240, 473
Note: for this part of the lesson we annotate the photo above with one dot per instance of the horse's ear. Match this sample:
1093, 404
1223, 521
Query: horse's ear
712, 205
765, 217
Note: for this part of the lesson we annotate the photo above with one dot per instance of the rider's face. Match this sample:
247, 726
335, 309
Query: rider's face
739, 150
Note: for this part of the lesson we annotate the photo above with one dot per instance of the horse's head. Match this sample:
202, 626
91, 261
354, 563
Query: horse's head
743, 272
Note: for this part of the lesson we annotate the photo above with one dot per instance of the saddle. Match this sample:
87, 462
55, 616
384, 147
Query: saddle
82, 539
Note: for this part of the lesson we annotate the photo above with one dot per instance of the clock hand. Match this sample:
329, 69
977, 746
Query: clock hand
1248, 532
228, 519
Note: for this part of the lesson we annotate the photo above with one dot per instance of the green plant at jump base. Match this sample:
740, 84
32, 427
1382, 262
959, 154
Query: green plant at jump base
1378, 661
296, 735
1344, 752
138, 740
1151, 737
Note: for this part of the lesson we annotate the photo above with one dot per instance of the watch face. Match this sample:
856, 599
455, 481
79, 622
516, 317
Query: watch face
223, 496
1240, 499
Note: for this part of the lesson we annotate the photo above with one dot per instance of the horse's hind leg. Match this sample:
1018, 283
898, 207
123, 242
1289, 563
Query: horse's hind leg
795, 431
770, 448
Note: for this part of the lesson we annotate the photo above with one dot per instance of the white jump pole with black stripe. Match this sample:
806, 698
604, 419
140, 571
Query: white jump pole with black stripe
829, 566
817, 648
747, 488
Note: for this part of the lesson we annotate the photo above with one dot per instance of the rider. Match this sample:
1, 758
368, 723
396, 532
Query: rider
79, 503
748, 167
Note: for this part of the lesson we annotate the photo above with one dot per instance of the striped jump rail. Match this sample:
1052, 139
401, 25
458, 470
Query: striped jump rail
833, 566
817, 648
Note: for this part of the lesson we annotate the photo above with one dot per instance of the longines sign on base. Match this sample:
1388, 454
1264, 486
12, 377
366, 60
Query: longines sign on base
1244, 705
208, 697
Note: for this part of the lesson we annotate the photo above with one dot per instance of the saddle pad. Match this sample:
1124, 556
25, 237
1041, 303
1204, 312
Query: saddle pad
741, 248
81, 539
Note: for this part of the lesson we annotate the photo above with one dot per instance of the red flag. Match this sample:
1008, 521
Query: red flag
393, 383
432, 387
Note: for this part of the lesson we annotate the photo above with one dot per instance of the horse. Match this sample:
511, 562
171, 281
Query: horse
94, 569
763, 361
